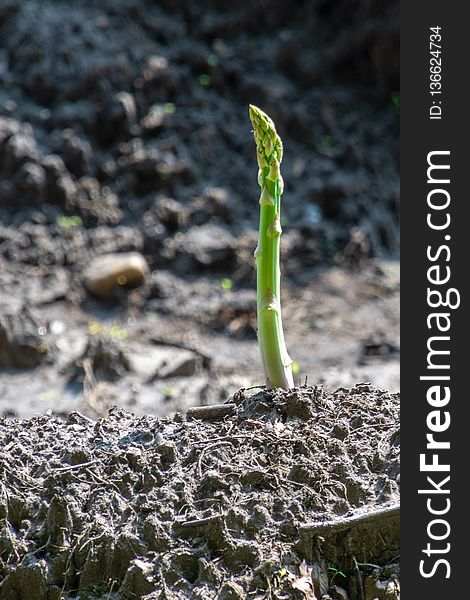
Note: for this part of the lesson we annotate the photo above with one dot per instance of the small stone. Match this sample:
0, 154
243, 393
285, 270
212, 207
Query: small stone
110, 271
204, 247
155, 117
162, 362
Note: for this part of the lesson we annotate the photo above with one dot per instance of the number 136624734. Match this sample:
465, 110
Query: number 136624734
435, 72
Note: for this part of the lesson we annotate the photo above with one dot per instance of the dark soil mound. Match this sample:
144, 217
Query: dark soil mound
258, 504
106, 105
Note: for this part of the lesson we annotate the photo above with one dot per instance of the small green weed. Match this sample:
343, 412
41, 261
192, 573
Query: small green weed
68, 222
226, 283
278, 577
48, 395
205, 80
168, 393
112, 331
295, 368
335, 573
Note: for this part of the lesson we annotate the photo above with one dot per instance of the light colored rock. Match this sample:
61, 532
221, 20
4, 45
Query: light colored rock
71, 345
162, 362
107, 272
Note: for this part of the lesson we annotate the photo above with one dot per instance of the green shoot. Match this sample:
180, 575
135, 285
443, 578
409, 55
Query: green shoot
274, 356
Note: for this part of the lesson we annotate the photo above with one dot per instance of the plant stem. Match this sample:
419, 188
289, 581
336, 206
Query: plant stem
274, 356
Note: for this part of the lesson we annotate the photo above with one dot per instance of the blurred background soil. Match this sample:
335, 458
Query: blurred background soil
129, 201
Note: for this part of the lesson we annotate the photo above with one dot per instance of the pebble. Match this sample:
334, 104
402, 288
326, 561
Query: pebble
162, 362
107, 272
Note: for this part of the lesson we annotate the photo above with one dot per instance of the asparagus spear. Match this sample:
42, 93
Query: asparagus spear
274, 356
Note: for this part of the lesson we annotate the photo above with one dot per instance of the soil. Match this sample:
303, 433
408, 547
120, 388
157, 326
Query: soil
269, 502
124, 129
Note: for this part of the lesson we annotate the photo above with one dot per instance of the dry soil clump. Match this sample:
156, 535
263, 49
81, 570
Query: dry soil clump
269, 502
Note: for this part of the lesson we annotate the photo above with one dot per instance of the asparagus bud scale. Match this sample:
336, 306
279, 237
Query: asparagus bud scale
274, 356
